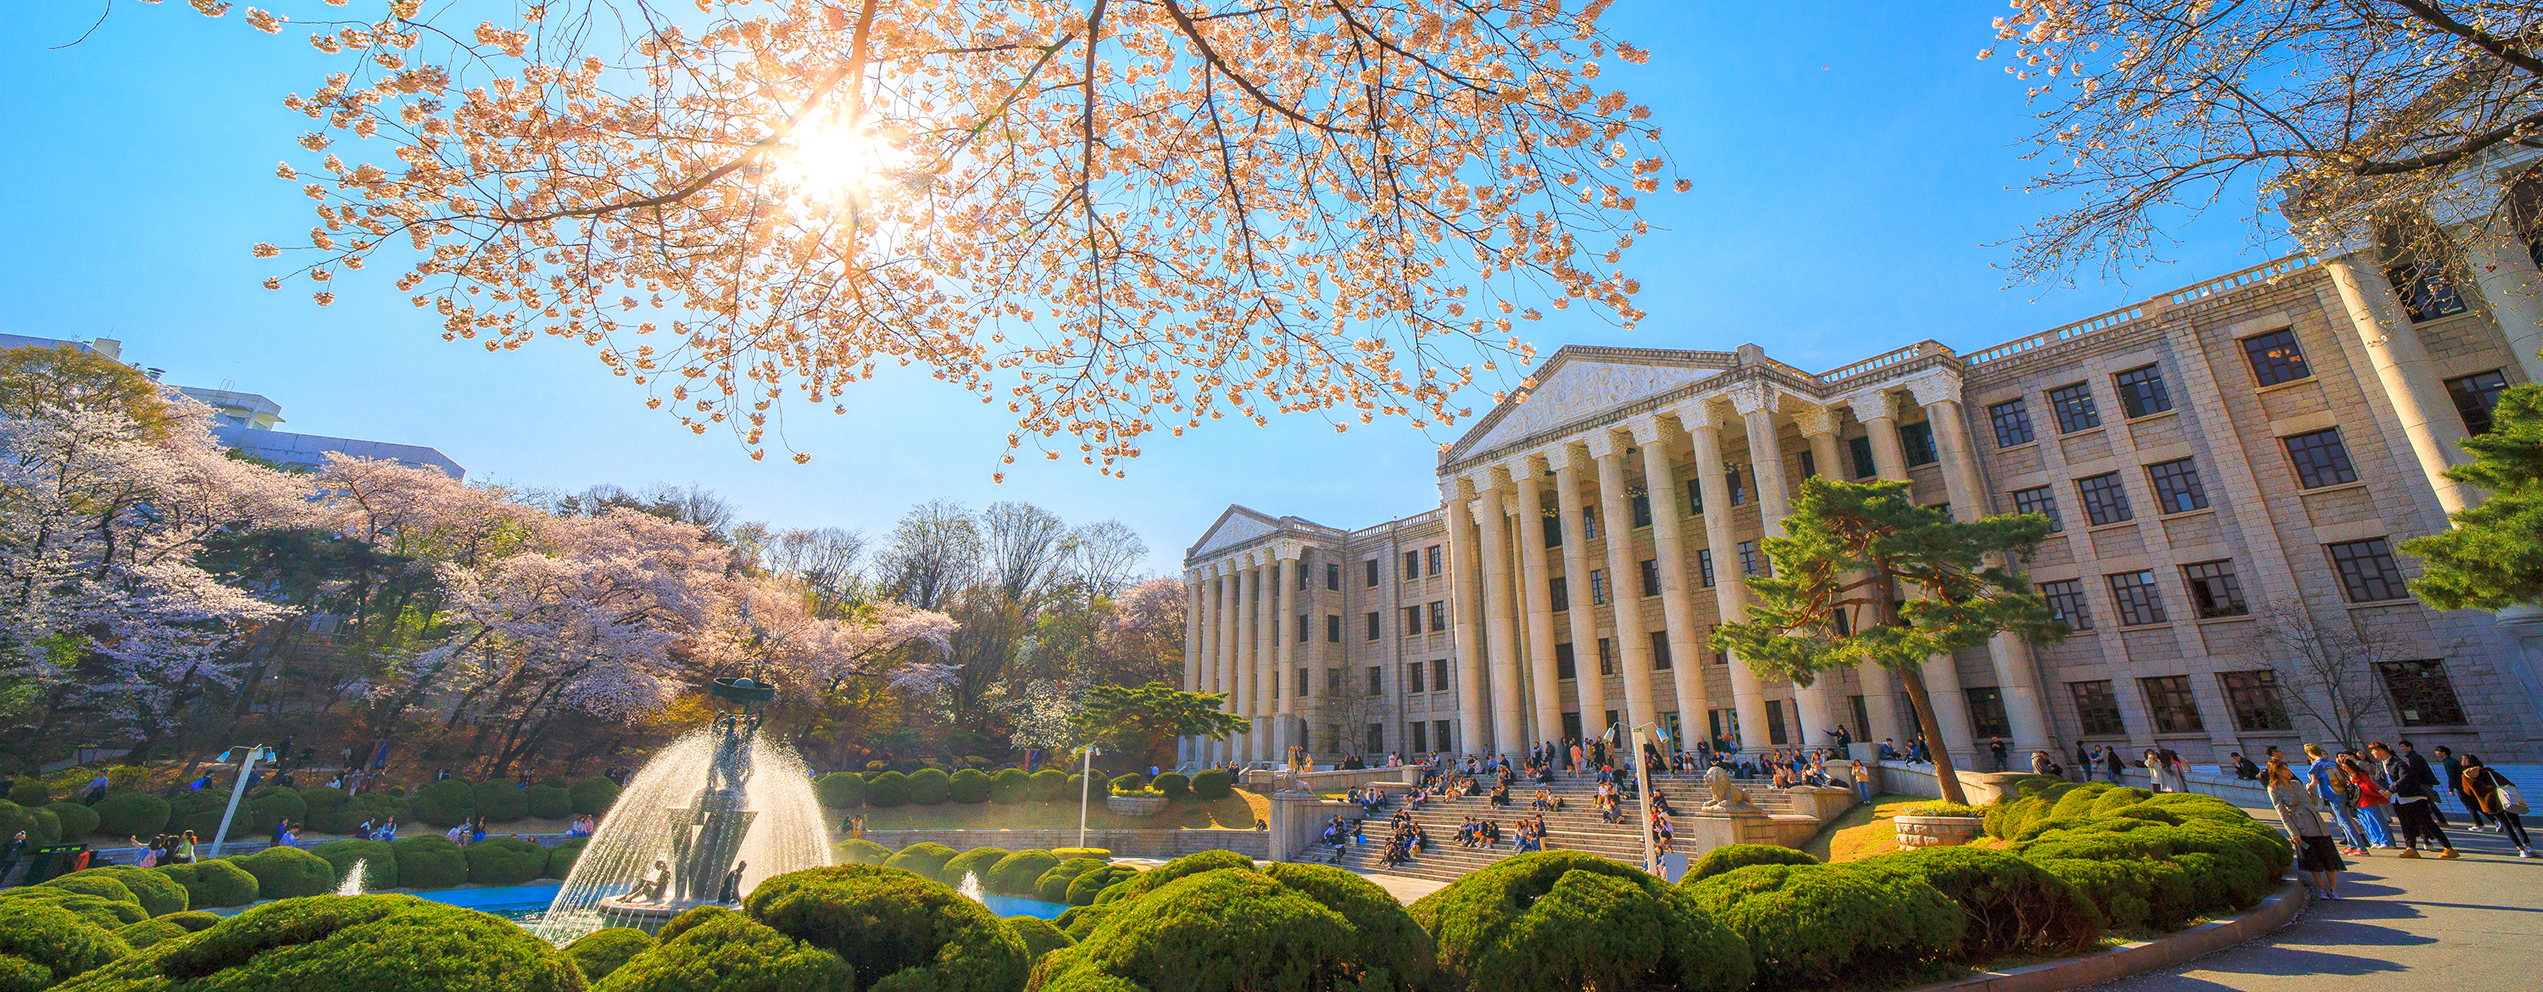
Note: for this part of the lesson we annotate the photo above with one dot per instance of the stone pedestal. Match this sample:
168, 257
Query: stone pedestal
1136, 805
1295, 819
1937, 831
1823, 802
1702, 830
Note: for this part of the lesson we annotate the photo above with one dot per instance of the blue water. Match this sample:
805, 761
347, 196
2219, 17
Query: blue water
1012, 906
523, 903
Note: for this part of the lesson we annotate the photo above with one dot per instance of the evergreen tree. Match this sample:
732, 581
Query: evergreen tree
1144, 721
2493, 558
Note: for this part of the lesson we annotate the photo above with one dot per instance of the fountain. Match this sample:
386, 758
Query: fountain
703, 822
971, 889
352, 884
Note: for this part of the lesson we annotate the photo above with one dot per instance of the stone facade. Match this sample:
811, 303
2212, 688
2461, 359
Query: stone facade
2241, 452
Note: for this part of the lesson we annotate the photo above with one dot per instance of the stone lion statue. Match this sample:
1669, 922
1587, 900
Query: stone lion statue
1725, 795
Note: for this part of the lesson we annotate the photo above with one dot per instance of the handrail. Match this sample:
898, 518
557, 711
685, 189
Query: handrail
2263, 272
2098, 323
1873, 363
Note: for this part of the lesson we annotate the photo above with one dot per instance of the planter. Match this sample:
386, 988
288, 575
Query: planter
1937, 831
1135, 805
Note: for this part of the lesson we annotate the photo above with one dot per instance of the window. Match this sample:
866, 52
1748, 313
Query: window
1747, 557
1739, 494
1421, 736
1845, 622
2213, 589
1413, 677
2141, 391
1659, 650
2096, 708
1642, 509
1373, 625
1553, 531
1916, 441
1372, 563
2475, 396
2074, 408
1439, 682
2175, 710
1377, 681
1775, 722
2367, 570
1333, 681
1562, 597
1704, 563
1302, 569
1865, 466
1302, 682
2422, 694
1809, 465
1333, 628
1695, 496
1302, 628
2275, 357
1432, 563
1720, 657
1439, 731
1651, 577
1589, 523
2041, 500
1597, 587
2066, 602
1333, 575
2426, 291
1563, 664
2105, 499
2320, 458
2139, 602
2176, 486
1412, 565
2253, 696
2013, 422
1986, 712
1438, 616
1412, 620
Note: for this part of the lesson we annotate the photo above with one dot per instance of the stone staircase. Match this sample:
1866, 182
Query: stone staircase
1577, 827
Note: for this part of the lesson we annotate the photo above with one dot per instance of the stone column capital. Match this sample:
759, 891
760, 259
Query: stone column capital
1699, 414
1576, 458
1934, 386
1289, 551
1871, 406
1603, 444
1648, 431
1753, 396
1816, 420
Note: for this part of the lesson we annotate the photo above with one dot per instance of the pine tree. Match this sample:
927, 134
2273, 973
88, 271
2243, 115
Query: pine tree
2493, 558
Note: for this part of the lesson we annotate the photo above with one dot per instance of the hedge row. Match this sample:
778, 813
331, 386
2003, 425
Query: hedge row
321, 808
930, 786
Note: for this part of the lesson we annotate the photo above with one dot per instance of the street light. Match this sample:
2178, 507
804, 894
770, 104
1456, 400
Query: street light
254, 754
1086, 788
1642, 783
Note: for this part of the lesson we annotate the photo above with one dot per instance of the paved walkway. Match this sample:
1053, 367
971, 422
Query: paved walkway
2470, 925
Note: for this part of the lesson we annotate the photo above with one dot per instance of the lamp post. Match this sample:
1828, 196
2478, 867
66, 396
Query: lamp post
1642, 784
246, 764
1086, 789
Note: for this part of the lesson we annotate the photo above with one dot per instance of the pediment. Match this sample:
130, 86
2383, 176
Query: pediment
1581, 383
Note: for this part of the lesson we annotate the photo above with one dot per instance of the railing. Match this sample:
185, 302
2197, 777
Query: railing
2083, 328
1875, 362
2264, 272
2089, 326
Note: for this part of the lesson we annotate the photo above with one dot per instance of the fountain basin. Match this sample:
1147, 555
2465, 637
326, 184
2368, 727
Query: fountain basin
1013, 906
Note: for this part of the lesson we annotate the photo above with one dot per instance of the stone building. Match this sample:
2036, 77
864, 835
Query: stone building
2241, 455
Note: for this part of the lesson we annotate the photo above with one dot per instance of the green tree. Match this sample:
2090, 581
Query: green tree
1835, 595
2493, 558
1143, 721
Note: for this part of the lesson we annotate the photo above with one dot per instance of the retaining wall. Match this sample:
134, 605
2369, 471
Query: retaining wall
1125, 842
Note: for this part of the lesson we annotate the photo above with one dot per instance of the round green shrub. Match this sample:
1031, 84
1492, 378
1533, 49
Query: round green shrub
447, 803
501, 802
288, 873
1391, 942
268, 806
30, 792
970, 785
214, 884
2013, 907
975, 862
105, 914
429, 861
1211, 784
1729, 856
132, 814
46, 824
194, 920
926, 859
887, 789
1077, 788
860, 851
714, 949
1039, 936
148, 932
15, 818
593, 795
158, 894
89, 884
1047, 785
550, 802
561, 858
1129, 782
1189, 864
1940, 808
383, 943
1097, 853
326, 807
375, 807
504, 861
41, 945
379, 861
1813, 926
77, 821
601, 951
1565, 920
886, 923
1083, 890
1175, 785
1009, 786
1053, 885
1237, 928
1015, 874
929, 786
2119, 891
840, 790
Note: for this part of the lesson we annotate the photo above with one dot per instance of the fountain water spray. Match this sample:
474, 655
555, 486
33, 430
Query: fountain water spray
971, 888
352, 884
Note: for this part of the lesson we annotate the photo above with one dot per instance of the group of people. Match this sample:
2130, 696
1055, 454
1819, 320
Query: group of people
163, 849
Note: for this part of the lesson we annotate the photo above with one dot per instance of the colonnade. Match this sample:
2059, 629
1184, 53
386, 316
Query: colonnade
1237, 642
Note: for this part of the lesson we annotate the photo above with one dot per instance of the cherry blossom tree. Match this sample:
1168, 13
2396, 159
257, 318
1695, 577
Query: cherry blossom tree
1113, 218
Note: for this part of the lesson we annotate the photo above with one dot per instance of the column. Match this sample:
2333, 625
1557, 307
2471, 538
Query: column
1547, 699
2401, 364
1668, 540
2017, 676
1588, 684
1249, 654
1499, 614
1757, 405
1941, 673
1880, 685
1230, 608
1465, 568
1730, 594
1192, 627
2509, 280
1816, 703
1616, 520
1266, 655
1286, 578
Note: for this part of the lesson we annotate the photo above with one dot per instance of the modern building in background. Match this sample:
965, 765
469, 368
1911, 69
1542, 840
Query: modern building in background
2240, 455
245, 421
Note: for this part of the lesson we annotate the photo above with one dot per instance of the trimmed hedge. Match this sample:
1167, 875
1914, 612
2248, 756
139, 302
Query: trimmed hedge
593, 795
1730, 856
93, 885
379, 861
1097, 853
2184, 856
929, 786
215, 884
194, 920
148, 932
976, 861
887, 789
504, 861
1289, 927
1814, 926
447, 803
1129, 782
132, 814
102, 913
1039, 936
158, 894
1559, 921
925, 859
886, 923
429, 861
30, 792
1053, 885
39, 829
373, 943
860, 851
2013, 907
714, 949
561, 858
1211, 784
77, 821
1083, 890
601, 951
41, 945
1009, 786
970, 785
1175, 785
549, 802
501, 802
268, 806
1016, 874
326, 808
1047, 785
288, 873
840, 790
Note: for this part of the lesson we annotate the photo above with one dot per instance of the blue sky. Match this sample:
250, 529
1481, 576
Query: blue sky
1854, 166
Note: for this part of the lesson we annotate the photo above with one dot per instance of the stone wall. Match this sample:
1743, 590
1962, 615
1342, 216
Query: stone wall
1127, 843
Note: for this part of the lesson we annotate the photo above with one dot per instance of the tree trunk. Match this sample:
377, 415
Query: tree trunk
1946, 777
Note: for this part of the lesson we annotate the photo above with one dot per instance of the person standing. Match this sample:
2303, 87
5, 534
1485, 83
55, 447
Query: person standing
2154, 770
184, 853
2414, 801
2426, 776
2041, 765
1996, 751
11, 853
2454, 779
2298, 813
2331, 786
2487, 791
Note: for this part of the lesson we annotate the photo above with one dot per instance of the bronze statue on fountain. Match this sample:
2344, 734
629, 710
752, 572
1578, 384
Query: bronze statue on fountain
702, 864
